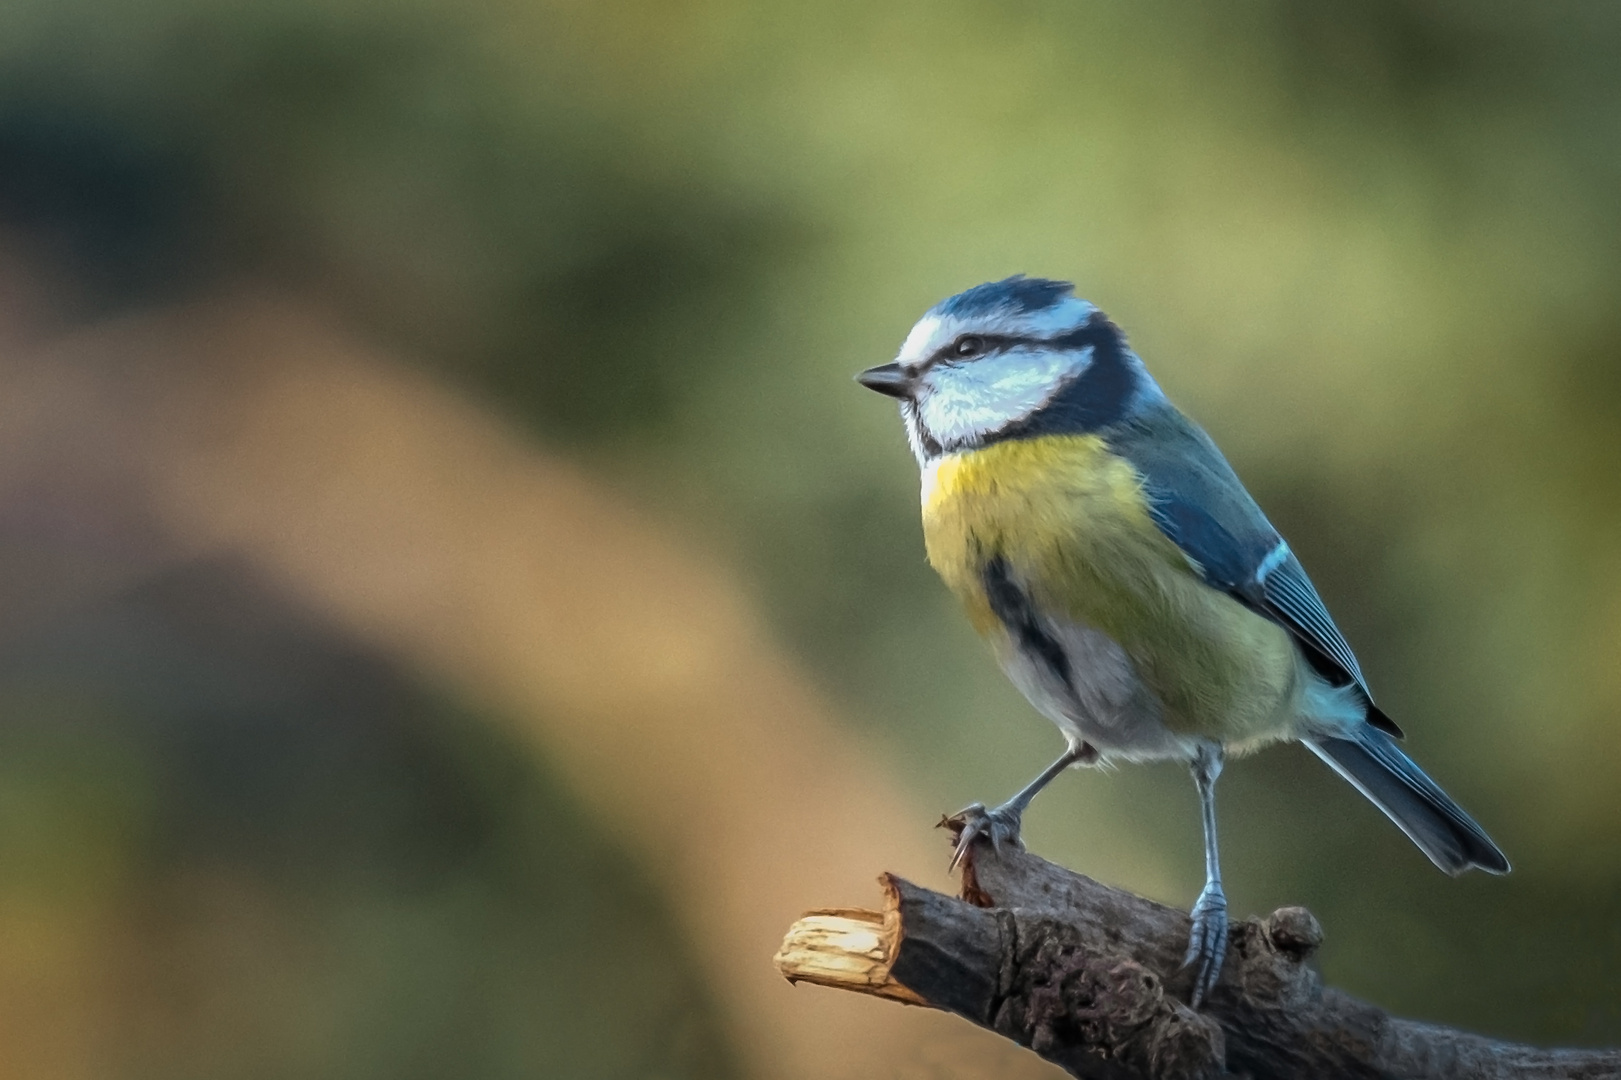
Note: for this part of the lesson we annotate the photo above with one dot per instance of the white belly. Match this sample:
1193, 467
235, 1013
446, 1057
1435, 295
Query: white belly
1103, 704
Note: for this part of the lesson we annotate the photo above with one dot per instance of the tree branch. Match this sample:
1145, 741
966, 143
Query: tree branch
1090, 978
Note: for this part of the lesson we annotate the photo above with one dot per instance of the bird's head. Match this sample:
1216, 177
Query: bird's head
1006, 359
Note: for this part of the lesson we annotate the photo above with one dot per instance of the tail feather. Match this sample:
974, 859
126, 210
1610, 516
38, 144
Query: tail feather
1375, 765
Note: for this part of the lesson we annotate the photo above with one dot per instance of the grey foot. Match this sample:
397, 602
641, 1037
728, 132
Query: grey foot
1000, 826
1207, 945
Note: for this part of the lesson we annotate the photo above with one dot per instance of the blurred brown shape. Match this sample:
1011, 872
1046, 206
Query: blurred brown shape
252, 426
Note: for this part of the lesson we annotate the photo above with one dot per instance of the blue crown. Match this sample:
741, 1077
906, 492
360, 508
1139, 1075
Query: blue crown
1017, 293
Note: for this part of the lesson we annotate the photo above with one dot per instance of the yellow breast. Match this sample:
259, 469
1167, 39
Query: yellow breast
1072, 523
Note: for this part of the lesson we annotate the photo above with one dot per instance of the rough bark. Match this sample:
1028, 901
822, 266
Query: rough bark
1090, 978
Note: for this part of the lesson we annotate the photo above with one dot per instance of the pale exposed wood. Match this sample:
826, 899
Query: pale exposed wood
845, 948
1090, 978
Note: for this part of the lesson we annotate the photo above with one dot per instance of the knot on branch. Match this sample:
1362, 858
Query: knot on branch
1088, 1011
1295, 932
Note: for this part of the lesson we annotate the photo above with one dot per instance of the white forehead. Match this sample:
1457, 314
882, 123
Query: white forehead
936, 329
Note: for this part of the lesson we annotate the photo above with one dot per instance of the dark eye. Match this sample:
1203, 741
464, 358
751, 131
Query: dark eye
969, 345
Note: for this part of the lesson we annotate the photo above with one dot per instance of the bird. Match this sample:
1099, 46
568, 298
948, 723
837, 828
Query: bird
1127, 582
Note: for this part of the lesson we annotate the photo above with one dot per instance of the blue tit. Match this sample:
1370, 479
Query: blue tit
1126, 581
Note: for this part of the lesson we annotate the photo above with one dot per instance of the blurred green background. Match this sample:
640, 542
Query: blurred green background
1373, 246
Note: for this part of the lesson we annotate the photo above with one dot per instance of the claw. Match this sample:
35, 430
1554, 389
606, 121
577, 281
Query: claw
1000, 826
1207, 944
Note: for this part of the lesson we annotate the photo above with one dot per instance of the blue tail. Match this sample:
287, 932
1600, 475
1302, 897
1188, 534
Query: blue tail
1376, 766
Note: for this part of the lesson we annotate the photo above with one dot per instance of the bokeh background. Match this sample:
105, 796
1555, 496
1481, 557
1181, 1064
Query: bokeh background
456, 610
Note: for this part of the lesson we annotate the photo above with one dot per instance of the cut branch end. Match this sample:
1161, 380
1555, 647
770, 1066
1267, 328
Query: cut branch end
847, 949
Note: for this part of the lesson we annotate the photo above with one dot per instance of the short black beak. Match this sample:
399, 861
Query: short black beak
887, 379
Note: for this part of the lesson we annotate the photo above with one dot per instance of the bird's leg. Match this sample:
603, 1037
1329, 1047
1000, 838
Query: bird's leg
1207, 944
1002, 824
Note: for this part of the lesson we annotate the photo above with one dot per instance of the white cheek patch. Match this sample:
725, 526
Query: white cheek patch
966, 402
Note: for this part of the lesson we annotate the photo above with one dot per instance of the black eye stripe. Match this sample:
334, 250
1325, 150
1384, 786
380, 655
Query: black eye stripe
1096, 331
992, 343
1070, 340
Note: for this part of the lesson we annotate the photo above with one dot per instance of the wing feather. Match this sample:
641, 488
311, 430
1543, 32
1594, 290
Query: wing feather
1199, 503
1288, 595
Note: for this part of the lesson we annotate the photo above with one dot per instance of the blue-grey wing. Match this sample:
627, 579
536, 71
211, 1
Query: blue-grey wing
1199, 503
